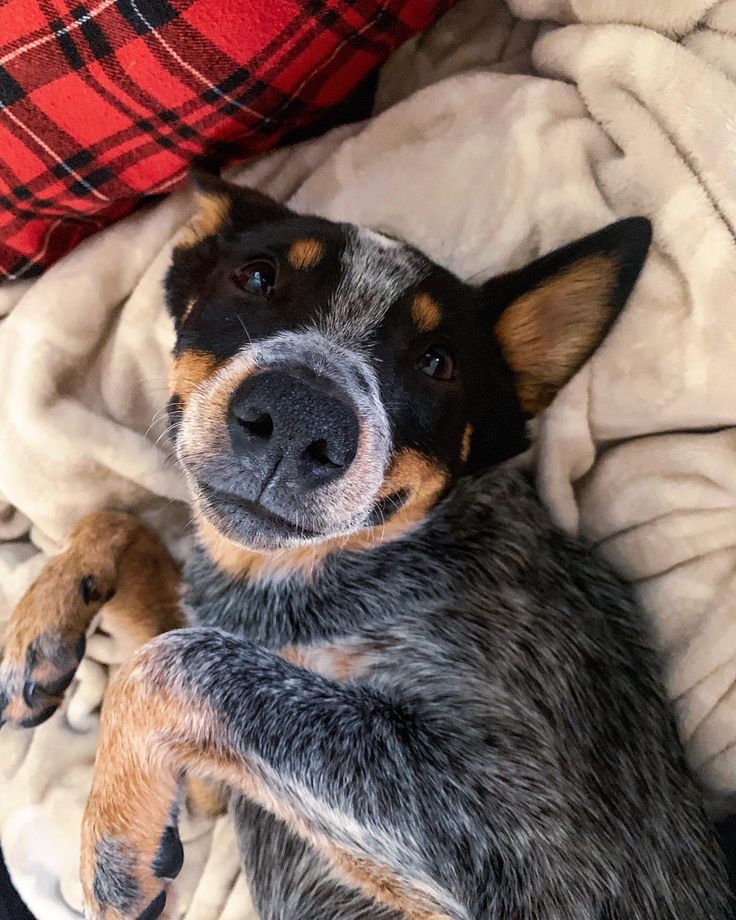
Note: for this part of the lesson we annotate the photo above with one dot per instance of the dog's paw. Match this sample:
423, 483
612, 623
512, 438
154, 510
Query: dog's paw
128, 885
43, 648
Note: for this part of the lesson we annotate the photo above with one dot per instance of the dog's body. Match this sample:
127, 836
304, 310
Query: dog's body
428, 702
528, 767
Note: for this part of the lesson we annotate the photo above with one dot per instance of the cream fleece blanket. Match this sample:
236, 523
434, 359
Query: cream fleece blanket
496, 140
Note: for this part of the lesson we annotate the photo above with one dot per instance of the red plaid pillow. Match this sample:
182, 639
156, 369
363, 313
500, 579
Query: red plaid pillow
105, 101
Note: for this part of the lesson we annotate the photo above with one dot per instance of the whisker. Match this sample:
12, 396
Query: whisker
165, 433
157, 416
245, 328
472, 278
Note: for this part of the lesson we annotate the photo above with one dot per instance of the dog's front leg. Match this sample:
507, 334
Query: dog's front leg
109, 555
348, 769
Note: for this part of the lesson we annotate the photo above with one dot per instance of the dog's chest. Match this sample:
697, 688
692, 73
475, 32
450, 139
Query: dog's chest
481, 579
296, 612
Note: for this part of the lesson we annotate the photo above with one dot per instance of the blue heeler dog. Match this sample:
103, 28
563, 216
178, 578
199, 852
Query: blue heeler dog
423, 701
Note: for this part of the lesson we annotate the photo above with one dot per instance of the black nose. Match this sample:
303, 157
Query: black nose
294, 429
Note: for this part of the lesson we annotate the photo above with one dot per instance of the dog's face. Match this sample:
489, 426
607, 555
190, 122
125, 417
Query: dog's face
329, 380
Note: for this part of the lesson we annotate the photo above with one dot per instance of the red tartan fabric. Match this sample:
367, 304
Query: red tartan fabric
104, 102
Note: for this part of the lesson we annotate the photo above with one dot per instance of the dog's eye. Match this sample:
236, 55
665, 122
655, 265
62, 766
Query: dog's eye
437, 362
257, 277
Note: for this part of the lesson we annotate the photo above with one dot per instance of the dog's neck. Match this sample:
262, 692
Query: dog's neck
302, 561
305, 561
483, 517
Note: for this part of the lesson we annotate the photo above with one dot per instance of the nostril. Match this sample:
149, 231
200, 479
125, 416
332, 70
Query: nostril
260, 425
320, 454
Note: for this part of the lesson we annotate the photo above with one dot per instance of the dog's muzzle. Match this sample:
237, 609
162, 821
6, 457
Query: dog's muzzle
304, 448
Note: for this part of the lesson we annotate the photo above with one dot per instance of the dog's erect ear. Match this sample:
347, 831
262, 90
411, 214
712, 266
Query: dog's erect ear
550, 316
222, 206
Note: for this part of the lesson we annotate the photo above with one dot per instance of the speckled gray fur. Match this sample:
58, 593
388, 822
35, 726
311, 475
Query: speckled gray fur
511, 751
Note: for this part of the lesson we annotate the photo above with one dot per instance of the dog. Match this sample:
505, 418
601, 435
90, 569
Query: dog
425, 701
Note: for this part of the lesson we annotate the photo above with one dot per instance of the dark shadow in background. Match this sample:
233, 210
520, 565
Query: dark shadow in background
11, 906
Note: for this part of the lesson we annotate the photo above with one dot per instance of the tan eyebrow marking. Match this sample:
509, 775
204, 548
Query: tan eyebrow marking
425, 312
305, 253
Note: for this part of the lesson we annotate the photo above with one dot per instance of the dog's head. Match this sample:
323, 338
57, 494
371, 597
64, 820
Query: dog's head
328, 379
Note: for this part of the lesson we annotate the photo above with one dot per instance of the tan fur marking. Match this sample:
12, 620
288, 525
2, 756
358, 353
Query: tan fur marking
425, 311
548, 333
135, 781
206, 797
466, 443
147, 601
214, 414
305, 254
124, 556
189, 370
343, 662
410, 470
148, 733
422, 477
381, 884
240, 562
212, 213
136, 591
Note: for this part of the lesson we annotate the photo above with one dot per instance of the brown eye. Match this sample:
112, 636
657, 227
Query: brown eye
256, 277
437, 362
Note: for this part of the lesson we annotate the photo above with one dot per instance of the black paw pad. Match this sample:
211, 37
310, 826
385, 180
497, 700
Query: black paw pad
81, 647
170, 856
89, 590
154, 909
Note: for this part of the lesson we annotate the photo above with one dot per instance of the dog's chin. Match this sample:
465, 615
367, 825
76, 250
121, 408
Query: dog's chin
255, 527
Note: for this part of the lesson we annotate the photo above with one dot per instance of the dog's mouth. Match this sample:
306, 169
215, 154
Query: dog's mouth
252, 516
255, 526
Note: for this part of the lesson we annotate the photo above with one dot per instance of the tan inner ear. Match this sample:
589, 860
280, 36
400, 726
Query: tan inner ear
212, 211
547, 334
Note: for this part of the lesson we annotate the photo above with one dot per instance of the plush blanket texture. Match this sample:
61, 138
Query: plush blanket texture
496, 139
